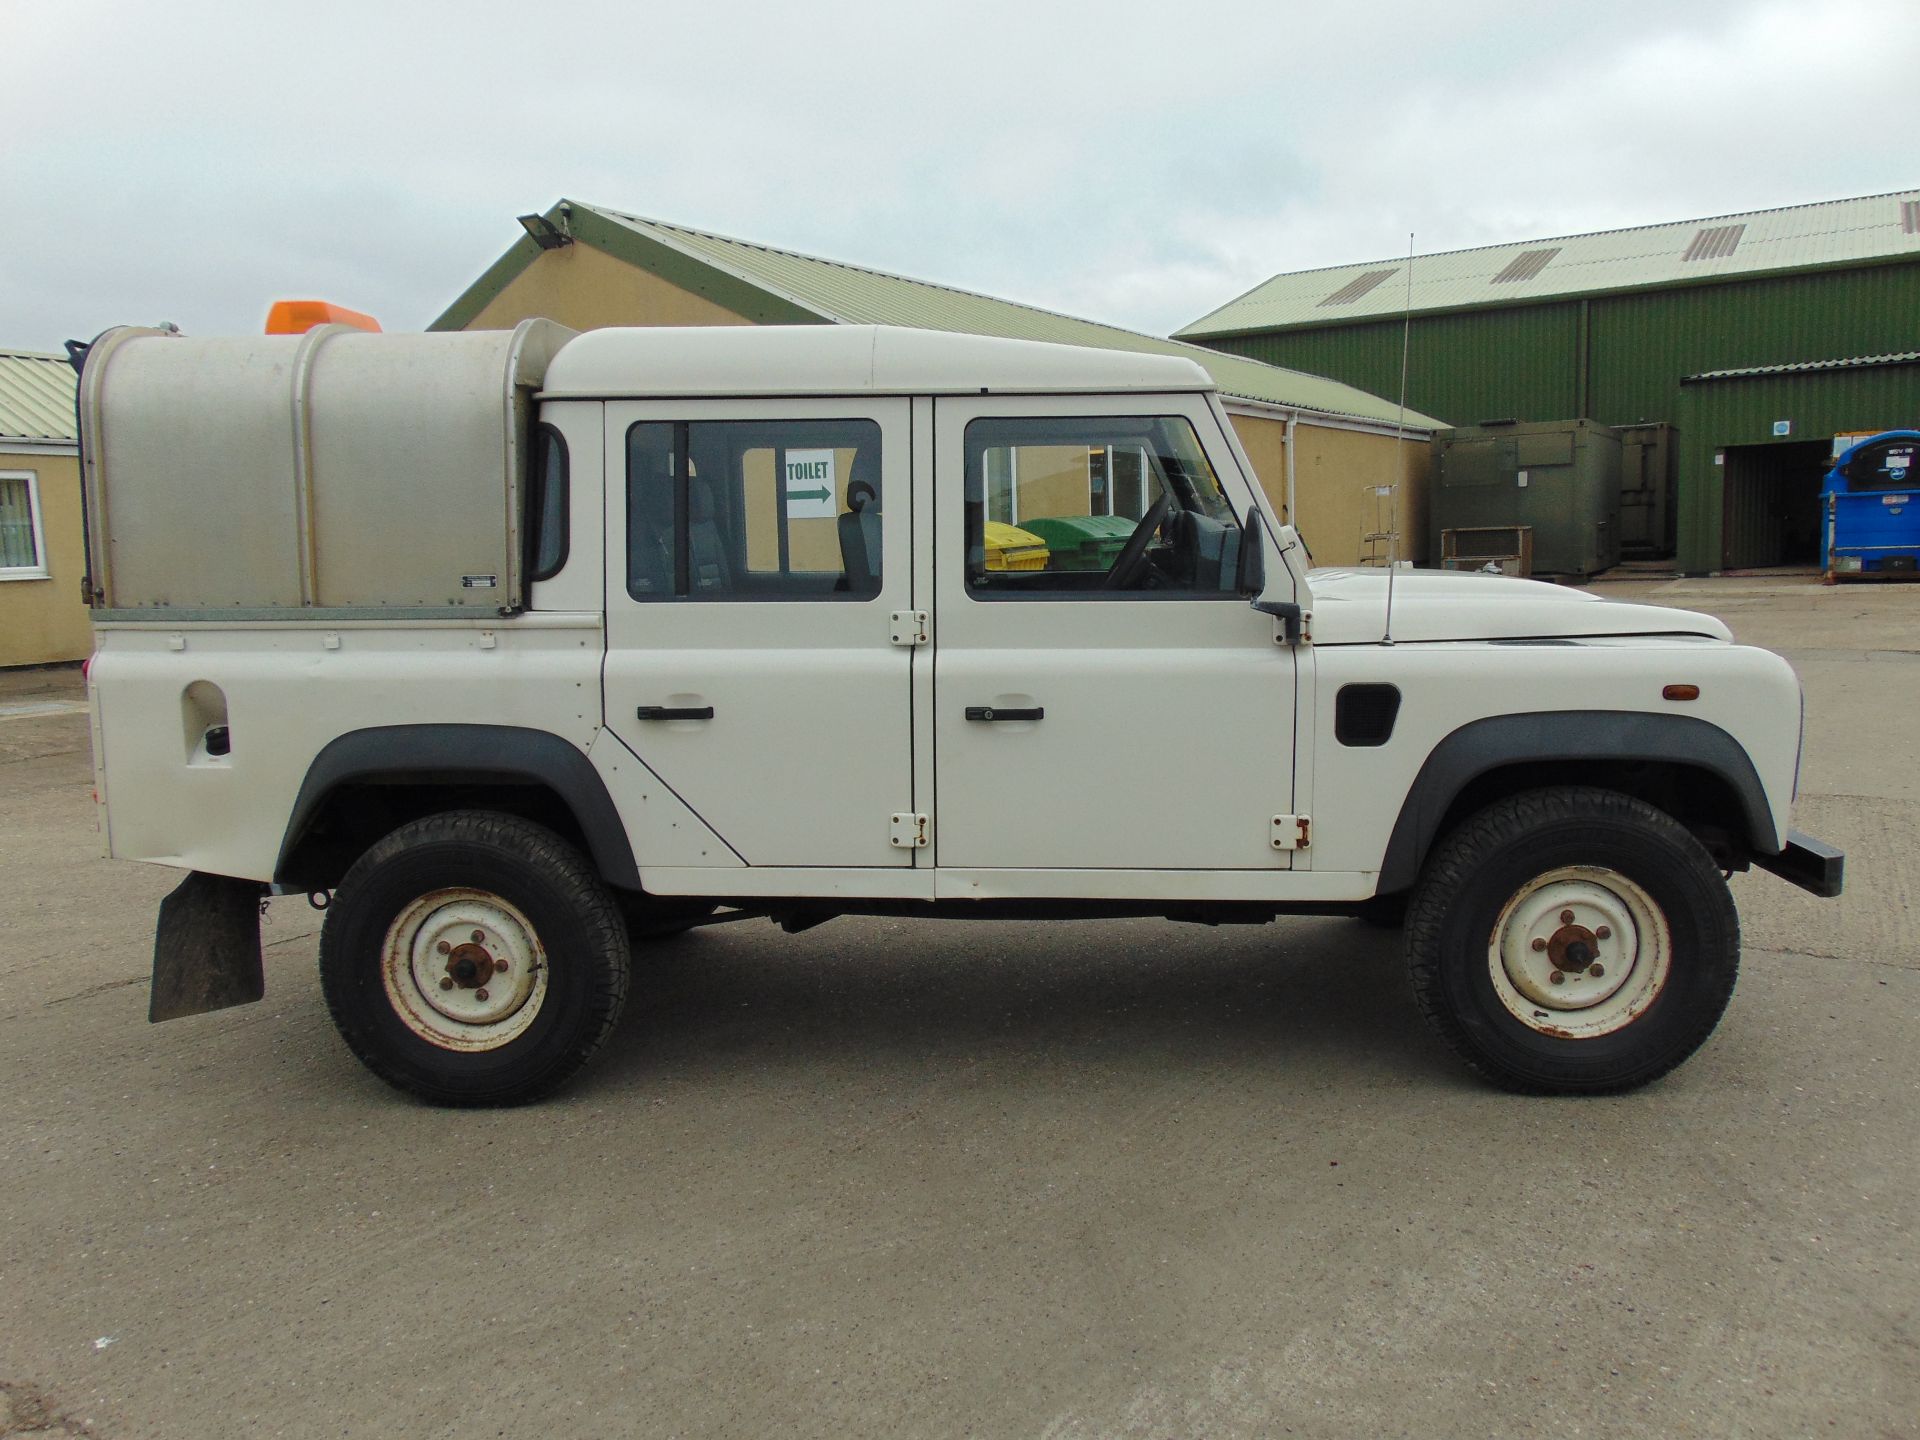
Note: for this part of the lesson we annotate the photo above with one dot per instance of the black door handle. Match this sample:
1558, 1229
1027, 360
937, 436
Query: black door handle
988, 712
671, 712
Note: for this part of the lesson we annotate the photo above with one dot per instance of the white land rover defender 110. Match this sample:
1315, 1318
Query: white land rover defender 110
517, 650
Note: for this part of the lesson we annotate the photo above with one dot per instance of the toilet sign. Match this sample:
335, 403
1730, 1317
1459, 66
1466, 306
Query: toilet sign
811, 485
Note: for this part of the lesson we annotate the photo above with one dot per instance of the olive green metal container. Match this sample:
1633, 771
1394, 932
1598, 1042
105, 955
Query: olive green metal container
1560, 478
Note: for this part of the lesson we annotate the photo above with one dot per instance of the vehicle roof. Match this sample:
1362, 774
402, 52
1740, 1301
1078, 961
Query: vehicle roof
847, 360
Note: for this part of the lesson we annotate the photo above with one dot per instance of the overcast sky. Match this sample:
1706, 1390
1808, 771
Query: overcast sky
1137, 163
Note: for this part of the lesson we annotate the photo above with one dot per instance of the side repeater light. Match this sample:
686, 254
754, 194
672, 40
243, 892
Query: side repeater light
1680, 692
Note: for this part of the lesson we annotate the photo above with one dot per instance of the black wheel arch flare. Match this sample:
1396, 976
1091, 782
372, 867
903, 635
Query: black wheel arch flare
1481, 747
467, 754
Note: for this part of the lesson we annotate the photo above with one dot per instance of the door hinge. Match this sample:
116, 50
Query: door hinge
910, 832
1292, 832
909, 627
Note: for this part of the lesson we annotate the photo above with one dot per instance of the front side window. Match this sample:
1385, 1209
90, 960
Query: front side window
23, 552
1101, 505
753, 510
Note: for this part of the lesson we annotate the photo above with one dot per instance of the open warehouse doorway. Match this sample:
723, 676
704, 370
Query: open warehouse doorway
1755, 443
1770, 497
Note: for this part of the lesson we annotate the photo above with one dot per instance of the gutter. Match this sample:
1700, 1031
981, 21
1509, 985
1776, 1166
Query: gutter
1326, 419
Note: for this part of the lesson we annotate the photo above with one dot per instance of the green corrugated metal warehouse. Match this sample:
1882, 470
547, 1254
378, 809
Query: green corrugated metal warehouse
1759, 336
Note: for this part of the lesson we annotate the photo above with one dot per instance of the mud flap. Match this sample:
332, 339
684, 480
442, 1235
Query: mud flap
206, 948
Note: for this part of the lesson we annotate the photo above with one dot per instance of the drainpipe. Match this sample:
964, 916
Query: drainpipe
1583, 362
1293, 419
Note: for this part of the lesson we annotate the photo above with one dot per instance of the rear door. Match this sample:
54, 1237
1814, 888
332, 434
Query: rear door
1103, 698
755, 553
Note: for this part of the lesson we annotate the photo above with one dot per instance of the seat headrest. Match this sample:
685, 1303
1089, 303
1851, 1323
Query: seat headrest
864, 474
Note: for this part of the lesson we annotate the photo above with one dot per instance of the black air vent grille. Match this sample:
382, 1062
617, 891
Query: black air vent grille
1363, 715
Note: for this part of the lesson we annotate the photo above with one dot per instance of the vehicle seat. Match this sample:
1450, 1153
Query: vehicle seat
707, 564
860, 527
649, 526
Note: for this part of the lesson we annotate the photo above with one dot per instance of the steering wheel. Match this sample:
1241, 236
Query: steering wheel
1131, 563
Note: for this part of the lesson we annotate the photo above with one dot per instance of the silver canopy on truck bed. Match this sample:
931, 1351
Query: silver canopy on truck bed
337, 471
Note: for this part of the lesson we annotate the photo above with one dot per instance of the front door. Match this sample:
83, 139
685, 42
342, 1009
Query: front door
755, 552
1103, 698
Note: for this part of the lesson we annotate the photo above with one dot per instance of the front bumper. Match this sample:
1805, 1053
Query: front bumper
1811, 864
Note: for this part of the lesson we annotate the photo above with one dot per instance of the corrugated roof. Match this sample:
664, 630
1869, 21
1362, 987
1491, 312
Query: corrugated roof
1873, 227
36, 398
854, 295
1802, 367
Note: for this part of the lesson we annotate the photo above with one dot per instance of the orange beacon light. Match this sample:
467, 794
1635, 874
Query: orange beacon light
296, 317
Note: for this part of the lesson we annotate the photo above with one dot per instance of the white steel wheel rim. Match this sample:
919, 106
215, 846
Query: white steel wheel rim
1579, 952
464, 969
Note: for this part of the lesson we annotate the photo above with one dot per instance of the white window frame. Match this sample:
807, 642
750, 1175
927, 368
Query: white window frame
37, 571
1013, 484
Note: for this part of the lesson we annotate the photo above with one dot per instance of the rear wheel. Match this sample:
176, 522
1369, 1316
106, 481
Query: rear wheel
1572, 941
473, 958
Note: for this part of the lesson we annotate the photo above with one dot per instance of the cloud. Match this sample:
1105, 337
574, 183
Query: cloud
196, 160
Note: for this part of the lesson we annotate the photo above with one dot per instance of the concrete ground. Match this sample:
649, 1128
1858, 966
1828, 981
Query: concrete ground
1062, 1181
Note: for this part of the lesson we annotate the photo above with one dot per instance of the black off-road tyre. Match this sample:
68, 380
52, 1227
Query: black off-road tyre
572, 924
1505, 854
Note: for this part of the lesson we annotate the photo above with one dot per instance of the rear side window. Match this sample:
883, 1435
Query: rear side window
753, 510
547, 508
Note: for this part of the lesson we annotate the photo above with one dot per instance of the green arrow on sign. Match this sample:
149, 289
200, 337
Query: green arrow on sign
821, 494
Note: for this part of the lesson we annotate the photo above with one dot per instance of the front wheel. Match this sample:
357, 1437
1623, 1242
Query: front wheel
1572, 941
474, 958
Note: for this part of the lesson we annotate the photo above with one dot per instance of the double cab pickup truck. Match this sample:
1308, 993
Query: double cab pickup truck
516, 651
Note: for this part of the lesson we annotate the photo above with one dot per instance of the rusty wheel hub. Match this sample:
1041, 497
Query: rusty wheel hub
1579, 951
1573, 947
470, 966
464, 969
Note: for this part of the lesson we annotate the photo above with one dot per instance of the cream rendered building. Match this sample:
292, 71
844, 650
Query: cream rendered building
43, 619
1343, 464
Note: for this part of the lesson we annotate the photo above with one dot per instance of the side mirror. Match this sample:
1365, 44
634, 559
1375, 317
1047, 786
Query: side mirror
1253, 556
1253, 579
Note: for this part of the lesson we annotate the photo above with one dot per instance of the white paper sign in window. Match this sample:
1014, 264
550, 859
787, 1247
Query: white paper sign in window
811, 485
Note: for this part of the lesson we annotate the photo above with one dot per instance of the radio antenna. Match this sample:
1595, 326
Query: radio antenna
1399, 443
